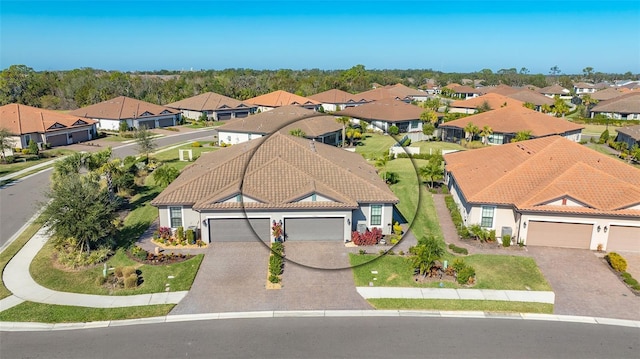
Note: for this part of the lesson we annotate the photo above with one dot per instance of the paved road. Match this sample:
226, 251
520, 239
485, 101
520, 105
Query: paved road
361, 337
20, 200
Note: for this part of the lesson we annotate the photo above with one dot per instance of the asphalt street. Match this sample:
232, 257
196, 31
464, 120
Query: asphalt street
358, 337
21, 199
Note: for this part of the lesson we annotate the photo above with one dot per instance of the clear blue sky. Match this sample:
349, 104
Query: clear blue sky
450, 36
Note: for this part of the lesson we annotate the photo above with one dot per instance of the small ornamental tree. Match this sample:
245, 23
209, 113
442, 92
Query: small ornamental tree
604, 137
33, 148
425, 254
145, 142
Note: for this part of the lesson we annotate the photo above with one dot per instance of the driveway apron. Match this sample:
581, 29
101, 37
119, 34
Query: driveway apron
584, 285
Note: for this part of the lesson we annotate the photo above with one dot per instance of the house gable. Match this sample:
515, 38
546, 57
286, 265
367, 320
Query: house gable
80, 123
564, 201
315, 197
56, 126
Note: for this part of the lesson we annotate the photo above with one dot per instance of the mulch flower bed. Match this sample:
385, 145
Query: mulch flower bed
142, 256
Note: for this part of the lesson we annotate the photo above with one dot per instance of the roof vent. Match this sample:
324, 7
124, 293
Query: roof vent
312, 144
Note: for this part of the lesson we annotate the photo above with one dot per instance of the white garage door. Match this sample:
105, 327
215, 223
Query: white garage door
623, 238
555, 234
239, 230
314, 229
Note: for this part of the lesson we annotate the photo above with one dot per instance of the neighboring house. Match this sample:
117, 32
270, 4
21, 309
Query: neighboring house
280, 98
629, 135
582, 88
317, 126
53, 128
502, 89
397, 91
535, 98
385, 113
463, 92
135, 113
336, 100
606, 94
215, 106
506, 122
625, 107
493, 100
318, 192
548, 192
556, 90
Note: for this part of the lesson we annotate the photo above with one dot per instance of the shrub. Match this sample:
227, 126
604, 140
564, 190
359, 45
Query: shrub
118, 272
458, 264
506, 240
400, 252
164, 232
458, 250
368, 238
101, 280
128, 271
277, 248
393, 130
274, 278
604, 137
391, 252
362, 252
466, 274
196, 144
275, 265
397, 228
9, 159
616, 262
131, 281
33, 148
180, 234
190, 236
139, 253
406, 142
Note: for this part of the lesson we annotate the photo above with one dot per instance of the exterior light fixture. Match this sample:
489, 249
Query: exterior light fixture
605, 229
599, 228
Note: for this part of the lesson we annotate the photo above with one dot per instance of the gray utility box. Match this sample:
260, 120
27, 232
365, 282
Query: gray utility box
361, 226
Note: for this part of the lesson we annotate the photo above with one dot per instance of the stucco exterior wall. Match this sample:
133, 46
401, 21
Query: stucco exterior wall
233, 138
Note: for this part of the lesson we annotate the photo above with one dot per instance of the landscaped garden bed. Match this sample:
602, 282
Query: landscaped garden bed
618, 265
166, 238
142, 256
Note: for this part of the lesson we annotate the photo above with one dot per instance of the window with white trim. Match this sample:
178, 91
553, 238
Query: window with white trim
175, 217
376, 215
487, 216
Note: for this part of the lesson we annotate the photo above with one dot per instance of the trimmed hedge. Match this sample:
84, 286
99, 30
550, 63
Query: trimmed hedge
458, 250
616, 262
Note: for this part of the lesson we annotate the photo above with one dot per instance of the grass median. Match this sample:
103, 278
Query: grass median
493, 306
49, 313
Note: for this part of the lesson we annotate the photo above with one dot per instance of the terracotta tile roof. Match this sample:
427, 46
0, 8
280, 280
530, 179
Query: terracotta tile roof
606, 94
276, 171
513, 119
531, 173
397, 91
631, 131
554, 90
337, 97
389, 110
121, 108
494, 100
284, 118
23, 119
208, 101
526, 95
625, 104
280, 98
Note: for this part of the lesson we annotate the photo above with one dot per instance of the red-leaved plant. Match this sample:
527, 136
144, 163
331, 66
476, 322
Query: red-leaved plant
368, 238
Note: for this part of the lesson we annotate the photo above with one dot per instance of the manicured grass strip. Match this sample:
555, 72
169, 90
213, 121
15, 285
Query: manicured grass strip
492, 272
433, 146
6, 169
84, 281
48, 313
462, 305
11, 251
375, 145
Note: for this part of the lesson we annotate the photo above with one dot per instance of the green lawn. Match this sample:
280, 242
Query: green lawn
432, 146
172, 157
492, 272
47, 313
594, 129
466, 305
11, 251
6, 169
375, 145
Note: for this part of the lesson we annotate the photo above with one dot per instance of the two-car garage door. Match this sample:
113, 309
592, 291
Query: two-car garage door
555, 234
239, 230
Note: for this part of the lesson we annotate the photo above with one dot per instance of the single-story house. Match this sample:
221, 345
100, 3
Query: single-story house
315, 125
135, 113
385, 113
493, 100
582, 88
336, 100
318, 192
606, 94
556, 90
26, 123
501, 89
463, 91
506, 122
629, 135
215, 106
397, 91
548, 192
535, 98
280, 98
625, 107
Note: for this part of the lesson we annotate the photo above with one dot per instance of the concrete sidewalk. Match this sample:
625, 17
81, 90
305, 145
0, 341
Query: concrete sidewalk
457, 294
30, 169
18, 280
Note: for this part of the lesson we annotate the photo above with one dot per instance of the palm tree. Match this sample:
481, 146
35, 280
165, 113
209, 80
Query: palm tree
431, 171
485, 133
344, 121
297, 132
471, 130
522, 136
381, 162
560, 107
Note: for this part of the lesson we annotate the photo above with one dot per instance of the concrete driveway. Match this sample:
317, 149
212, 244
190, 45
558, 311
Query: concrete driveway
584, 285
232, 277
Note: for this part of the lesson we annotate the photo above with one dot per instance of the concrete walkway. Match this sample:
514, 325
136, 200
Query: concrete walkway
18, 280
463, 294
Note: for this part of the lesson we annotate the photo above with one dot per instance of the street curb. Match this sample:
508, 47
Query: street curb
31, 326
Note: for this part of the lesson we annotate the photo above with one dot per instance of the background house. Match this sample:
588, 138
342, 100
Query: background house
506, 122
492, 100
556, 90
548, 192
215, 106
318, 192
625, 107
315, 125
53, 128
385, 113
134, 113
336, 100
280, 98
629, 135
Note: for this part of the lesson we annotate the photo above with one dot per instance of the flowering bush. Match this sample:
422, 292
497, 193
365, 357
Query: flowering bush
368, 238
164, 232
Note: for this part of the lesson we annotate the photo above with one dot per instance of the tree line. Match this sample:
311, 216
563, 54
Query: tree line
65, 90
